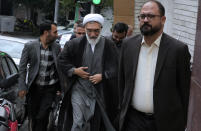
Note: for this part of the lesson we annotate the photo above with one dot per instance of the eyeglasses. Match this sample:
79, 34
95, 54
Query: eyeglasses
93, 30
148, 16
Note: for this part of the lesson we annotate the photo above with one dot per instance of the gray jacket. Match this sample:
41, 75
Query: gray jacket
30, 61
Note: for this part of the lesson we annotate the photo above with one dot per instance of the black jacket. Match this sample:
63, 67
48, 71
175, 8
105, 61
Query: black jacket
171, 81
71, 56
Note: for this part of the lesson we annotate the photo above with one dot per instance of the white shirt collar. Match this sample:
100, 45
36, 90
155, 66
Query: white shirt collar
156, 42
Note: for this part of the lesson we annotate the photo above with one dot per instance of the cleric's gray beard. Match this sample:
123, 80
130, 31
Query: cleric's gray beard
93, 41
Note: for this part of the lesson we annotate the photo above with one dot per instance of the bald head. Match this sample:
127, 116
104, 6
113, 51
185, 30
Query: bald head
152, 18
159, 6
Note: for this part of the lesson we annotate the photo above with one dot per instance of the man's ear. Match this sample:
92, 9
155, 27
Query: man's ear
45, 32
163, 18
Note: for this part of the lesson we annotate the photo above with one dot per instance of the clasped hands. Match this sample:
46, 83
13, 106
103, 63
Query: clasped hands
95, 79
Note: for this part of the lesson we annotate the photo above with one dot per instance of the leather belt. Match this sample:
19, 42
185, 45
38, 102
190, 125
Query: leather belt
146, 115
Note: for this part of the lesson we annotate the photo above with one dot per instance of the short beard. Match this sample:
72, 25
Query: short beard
93, 41
50, 39
50, 42
149, 32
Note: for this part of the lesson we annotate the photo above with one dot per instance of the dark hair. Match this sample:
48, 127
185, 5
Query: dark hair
79, 21
46, 27
80, 25
160, 7
120, 27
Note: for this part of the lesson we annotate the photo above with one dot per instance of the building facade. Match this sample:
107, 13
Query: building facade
6, 7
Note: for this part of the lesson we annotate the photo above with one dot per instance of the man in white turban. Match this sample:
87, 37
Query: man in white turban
93, 24
90, 64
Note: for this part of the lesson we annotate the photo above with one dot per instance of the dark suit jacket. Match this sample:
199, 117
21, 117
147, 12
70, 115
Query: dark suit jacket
171, 81
31, 58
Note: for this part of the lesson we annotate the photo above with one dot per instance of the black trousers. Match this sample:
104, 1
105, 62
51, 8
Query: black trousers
39, 102
138, 121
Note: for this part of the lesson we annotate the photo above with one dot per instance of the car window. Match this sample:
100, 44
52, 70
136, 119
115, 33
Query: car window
64, 38
13, 48
5, 67
12, 66
1, 73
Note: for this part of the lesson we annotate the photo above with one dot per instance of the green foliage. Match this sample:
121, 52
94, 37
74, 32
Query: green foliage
46, 6
107, 3
66, 5
48, 9
31, 3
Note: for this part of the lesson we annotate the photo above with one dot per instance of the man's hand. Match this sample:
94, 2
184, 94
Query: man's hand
22, 94
80, 72
95, 79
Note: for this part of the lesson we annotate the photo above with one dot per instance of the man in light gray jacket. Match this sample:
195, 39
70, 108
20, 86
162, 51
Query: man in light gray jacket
38, 64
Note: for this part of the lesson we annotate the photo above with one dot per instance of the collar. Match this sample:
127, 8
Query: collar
156, 42
48, 47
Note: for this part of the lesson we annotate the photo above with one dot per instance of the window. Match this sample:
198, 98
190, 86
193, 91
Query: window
12, 66
5, 67
8, 66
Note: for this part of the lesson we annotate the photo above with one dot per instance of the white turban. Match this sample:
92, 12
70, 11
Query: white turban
93, 17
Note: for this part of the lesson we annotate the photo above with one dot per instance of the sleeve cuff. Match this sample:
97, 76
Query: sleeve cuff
70, 72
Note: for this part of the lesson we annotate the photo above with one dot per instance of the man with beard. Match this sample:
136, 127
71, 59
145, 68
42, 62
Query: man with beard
90, 64
154, 76
39, 76
80, 31
119, 32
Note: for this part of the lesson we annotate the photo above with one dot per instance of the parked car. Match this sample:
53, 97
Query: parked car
64, 34
7, 65
8, 93
13, 48
8, 77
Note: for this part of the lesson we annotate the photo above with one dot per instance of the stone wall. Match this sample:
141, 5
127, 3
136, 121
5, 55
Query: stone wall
137, 6
184, 21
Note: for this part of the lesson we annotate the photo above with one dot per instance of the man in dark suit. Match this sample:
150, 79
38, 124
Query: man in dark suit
119, 32
38, 66
154, 76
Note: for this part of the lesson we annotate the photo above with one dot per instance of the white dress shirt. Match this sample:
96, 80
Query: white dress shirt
142, 99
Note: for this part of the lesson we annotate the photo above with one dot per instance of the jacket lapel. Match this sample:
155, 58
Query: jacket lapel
136, 52
163, 49
81, 48
54, 53
37, 45
133, 52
